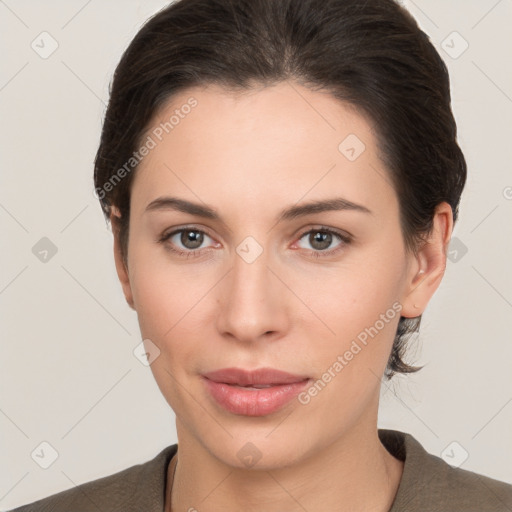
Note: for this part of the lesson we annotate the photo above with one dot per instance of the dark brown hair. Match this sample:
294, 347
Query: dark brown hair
370, 54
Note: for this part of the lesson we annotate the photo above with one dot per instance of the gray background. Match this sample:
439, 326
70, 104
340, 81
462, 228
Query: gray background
67, 369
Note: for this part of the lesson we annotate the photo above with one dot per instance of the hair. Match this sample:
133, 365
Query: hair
370, 55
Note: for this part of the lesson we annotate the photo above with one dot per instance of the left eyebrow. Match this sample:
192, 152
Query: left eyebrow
290, 213
335, 204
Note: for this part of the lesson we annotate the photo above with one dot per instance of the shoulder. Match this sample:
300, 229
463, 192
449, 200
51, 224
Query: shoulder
139, 488
430, 483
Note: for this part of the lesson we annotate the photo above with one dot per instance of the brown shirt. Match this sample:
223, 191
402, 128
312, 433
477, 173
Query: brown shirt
428, 484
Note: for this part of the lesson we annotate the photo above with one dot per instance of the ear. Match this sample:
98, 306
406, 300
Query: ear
428, 266
121, 267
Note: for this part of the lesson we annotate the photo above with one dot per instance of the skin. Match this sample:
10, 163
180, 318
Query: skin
249, 156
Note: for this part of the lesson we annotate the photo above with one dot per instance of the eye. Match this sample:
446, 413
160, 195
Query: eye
321, 241
185, 241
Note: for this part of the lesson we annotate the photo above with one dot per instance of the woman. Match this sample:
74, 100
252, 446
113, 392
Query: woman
282, 178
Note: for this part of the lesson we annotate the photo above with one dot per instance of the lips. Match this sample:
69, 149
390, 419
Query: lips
260, 378
253, 393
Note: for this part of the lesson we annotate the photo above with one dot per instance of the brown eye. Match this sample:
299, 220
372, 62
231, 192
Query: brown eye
320, 240
324, 241
186, 241
191, 239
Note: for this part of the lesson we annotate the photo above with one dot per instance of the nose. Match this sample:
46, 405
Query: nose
253, 302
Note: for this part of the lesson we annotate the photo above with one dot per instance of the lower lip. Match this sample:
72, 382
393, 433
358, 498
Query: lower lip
254, 402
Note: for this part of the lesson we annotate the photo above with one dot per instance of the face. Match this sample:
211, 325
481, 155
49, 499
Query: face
316, 293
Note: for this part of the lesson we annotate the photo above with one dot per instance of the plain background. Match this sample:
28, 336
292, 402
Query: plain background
68, 373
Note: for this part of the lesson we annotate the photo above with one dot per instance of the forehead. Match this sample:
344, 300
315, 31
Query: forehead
279, 111
279, 143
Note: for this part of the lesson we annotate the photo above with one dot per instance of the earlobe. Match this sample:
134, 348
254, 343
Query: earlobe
121, 265
430, 264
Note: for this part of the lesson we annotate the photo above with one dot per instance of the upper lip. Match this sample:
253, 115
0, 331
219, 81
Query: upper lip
261, 376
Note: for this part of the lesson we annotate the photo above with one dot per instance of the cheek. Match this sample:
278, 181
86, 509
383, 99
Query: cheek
363, 311
359, 304
170, 315
162, 291
353, 298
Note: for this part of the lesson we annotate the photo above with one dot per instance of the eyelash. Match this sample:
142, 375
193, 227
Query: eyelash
194, 253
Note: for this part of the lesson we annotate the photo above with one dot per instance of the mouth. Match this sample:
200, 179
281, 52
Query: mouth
260, 386
253, 393
258, 379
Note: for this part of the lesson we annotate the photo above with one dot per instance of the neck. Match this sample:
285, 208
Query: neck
356, 472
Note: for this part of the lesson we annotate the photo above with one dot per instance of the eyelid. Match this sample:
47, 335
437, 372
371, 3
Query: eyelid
345, 238
343, 235
178, 229
184, 253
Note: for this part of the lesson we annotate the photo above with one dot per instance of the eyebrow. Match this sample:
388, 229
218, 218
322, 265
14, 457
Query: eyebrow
290, 213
